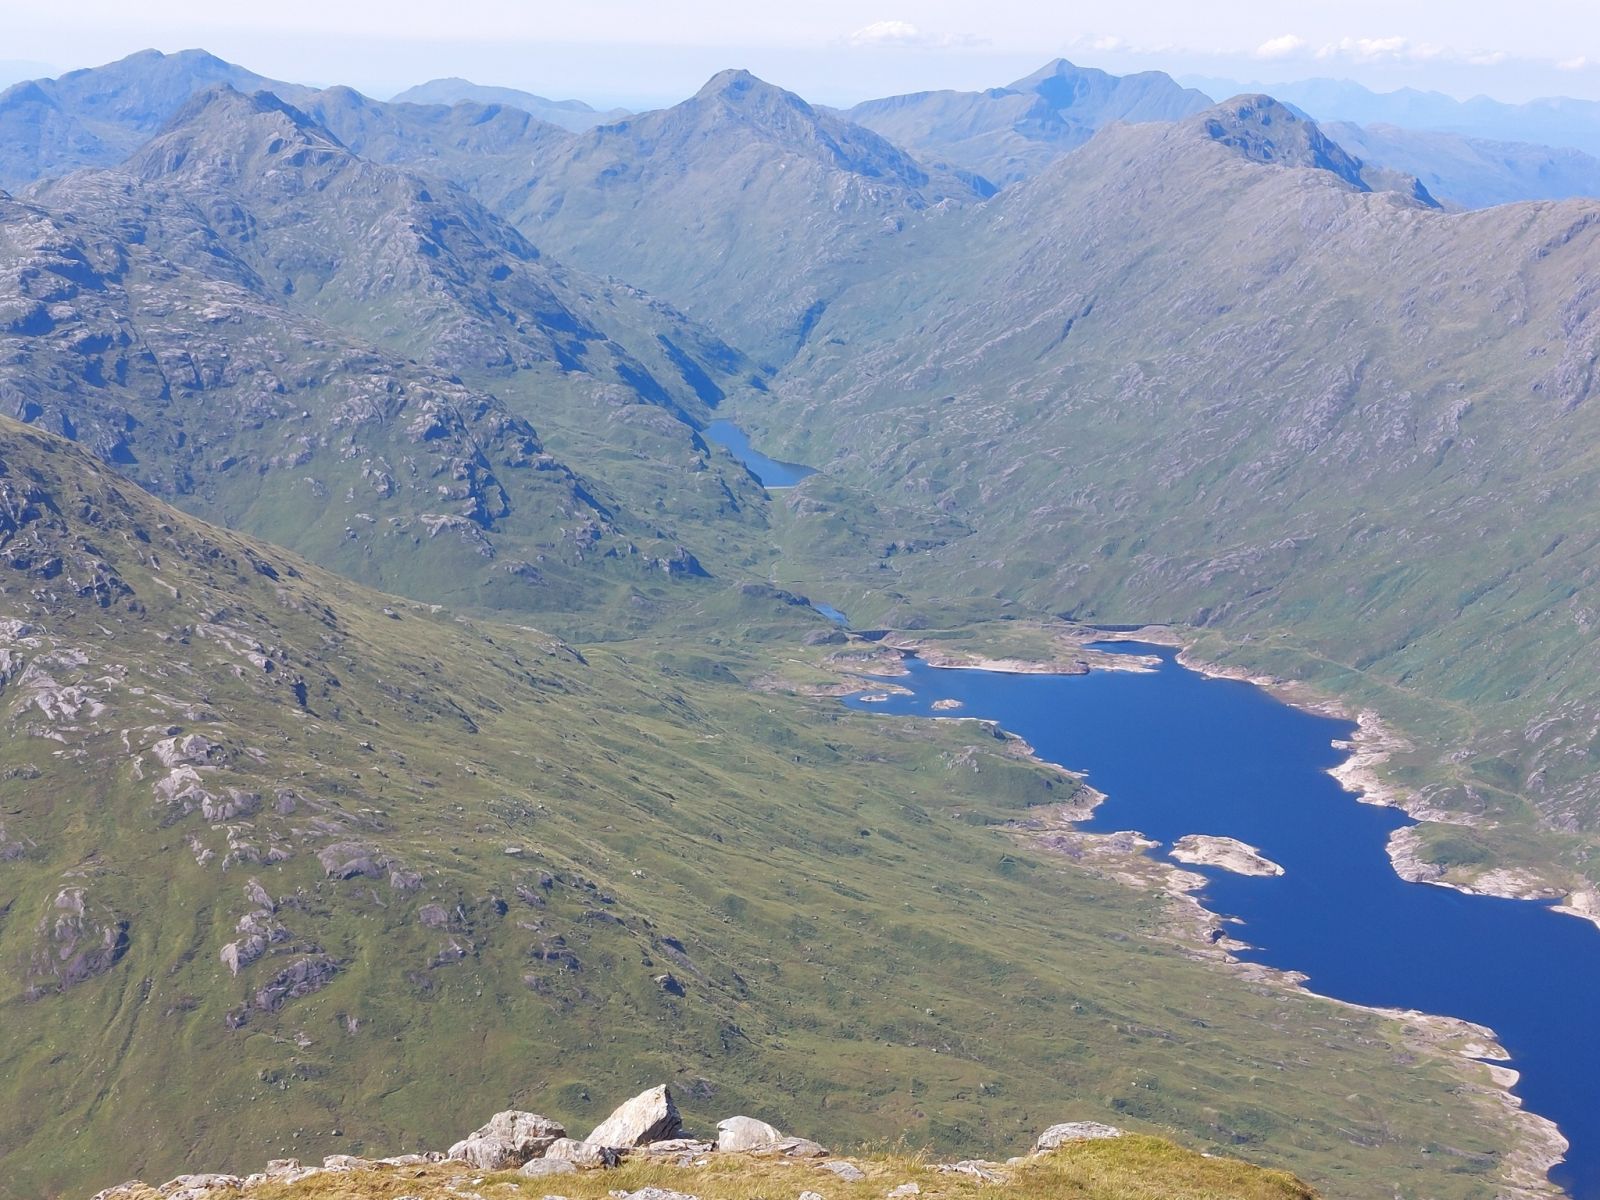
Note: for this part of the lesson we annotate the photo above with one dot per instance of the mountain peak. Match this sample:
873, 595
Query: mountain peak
1267, 130
737, 85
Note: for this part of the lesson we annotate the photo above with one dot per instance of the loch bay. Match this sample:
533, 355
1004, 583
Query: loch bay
1178, 753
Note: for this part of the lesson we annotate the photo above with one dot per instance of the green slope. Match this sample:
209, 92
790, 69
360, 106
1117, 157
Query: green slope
468, 851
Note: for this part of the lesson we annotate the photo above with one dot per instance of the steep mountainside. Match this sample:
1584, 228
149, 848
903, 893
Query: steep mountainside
1351, 432
348, 359
288, 867
573, 115
743, 205
1010, 133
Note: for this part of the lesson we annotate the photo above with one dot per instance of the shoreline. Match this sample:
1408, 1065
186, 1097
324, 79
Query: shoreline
1371, 745
1538, 1145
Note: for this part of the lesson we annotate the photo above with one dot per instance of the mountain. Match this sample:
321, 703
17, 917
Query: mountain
1010, 133
573, 115
1559, 121
744, 206
254, 321
485, 149
1342, 434
99, 115
1471, 172
295, 868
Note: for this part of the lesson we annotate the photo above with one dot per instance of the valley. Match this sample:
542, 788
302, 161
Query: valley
421, 692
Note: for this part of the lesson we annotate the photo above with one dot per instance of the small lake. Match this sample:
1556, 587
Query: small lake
769, 471
1176, 752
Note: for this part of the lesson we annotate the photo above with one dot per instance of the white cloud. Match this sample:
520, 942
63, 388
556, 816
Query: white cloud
887, 33
1366, 50
1580, 63
1108, 44
1281, 47
904, 33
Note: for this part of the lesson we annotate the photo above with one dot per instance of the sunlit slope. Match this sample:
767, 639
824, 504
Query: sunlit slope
284, 857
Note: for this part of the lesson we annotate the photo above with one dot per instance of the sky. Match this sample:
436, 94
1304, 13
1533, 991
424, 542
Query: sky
643, 53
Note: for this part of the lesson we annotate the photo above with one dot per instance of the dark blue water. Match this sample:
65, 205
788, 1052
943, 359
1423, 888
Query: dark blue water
769, 471
1176, 752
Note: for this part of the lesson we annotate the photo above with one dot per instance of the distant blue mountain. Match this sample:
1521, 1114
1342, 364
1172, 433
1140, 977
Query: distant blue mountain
1012, 132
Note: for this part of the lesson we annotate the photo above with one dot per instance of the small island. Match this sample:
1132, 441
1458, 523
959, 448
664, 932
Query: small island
1230, 854
946, 705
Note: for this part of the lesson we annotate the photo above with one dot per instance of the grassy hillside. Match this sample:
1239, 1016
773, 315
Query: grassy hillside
450, 860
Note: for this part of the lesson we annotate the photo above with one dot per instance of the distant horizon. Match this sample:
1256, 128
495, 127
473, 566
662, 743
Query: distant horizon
14, 71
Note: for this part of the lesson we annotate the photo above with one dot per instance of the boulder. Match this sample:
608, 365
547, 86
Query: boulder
1073, 1131
655, 1193
903, 1191
979, 1169
792, 1147
583, 1155
745, 1133
649, 1117
509, 1139
199, 1187
347, 1162
846, 1171
132, 1189
678, 1145
535, 1167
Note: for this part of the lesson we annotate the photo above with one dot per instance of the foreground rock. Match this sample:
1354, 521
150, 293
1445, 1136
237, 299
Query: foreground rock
583, 1155
757, 1159
1228, 853
508, 1140
745, 1133
1073, 1131
649, 1117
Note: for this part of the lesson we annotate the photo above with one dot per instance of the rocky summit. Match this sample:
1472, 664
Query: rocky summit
514, 1153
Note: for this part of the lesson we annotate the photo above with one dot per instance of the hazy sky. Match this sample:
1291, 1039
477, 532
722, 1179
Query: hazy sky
638, 52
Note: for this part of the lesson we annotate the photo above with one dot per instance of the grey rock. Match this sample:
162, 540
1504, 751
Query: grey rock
347, 1162
193, 1187
583, 1154
124, 1191
655, 1193
846, 1171
536, 1167
649, 1117
507, 1140
679, 1145
905, 1189
792, 1147
810, 1196
745, 1133
979, 1169
1073, 1131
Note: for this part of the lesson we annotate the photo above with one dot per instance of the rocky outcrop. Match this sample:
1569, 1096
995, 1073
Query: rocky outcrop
76, 940
509, 1139
583, 1155
648, 1117
745, 1133
1073, 1131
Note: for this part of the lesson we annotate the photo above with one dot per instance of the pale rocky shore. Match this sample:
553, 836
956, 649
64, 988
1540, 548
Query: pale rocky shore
1225, 853
645, 1129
